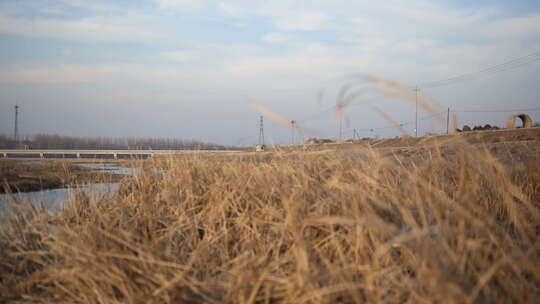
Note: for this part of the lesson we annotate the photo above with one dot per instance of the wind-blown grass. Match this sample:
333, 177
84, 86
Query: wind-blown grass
448, 225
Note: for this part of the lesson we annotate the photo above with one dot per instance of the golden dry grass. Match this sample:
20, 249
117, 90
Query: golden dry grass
448, 225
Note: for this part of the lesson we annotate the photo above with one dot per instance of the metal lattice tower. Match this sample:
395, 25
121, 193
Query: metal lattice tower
292, 131
16, 132
416, 112
261, 132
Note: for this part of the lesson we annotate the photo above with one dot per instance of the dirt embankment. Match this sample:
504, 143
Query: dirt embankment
473, 137
25, 176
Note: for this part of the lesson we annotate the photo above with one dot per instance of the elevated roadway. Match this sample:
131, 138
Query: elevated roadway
109, 154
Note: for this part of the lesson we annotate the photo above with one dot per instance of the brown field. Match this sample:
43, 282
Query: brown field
473, 137
452, 220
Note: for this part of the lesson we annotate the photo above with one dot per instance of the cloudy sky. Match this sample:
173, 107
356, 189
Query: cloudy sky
188, 68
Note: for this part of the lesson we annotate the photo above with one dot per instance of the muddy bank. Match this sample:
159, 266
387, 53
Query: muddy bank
25, 176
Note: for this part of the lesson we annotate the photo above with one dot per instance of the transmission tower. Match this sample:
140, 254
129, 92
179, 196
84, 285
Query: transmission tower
16, 132
292, 131
340, 128
416, 112
261, 132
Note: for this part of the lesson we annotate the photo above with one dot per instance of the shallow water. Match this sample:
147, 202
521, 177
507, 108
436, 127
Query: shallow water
53, 199
114, 168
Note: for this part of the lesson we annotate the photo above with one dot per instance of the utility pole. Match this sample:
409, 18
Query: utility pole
16, 132
448, 121
416, 112
341, 128
261, 132
292, 131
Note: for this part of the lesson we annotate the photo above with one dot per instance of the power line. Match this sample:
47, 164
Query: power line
310, 117
393, 126
508, 65
292, 131
502, 67
16, 131
334, 108
495, 111
505, 66
416, 90
356, 130
261, 132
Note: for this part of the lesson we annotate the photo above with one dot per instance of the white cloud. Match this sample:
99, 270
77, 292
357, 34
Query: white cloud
207, 55
179, 5
94, 5
230, 10
277, 38
416, 41
513, 28
285, 15
412, 41
183, 56
73, 73
54, 11
95, 29
302, 21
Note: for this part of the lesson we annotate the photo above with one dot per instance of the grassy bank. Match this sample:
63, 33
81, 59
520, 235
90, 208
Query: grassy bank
24, 176
456, 224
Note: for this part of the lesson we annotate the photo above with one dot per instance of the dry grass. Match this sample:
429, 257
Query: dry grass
441, 226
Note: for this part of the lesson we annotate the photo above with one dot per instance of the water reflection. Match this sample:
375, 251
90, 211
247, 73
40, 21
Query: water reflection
53, 199
113, 168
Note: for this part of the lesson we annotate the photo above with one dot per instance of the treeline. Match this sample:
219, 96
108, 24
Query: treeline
48, 141
7, 142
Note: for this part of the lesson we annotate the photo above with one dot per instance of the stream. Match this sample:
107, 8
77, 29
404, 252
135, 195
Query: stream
53, 199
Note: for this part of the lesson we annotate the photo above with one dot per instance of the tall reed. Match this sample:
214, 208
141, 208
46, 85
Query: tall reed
445, 224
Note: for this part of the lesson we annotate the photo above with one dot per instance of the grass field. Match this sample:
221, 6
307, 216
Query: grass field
453, 223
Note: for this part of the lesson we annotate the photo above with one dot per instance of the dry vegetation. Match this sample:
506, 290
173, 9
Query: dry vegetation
442, 225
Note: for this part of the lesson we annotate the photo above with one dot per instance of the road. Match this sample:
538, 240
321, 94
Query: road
116, 154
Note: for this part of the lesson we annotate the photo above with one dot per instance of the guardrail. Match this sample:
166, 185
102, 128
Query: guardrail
116, 154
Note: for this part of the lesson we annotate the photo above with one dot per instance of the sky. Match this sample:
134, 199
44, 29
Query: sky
189, 68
